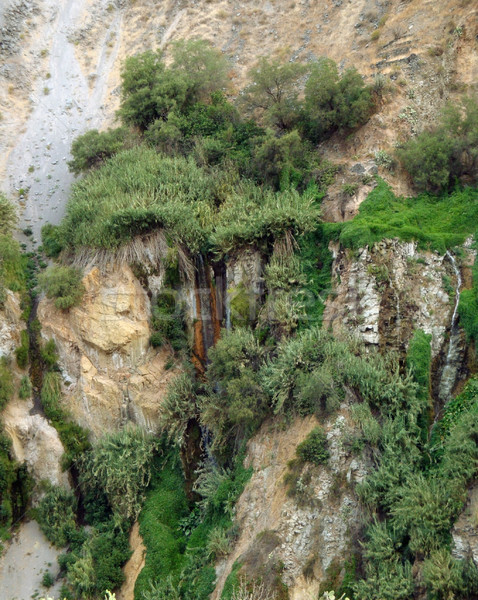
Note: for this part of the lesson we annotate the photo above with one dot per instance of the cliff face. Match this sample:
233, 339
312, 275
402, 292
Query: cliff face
34, 440
112, 375
60, 76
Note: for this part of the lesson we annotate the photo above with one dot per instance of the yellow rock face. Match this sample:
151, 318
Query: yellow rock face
112, 375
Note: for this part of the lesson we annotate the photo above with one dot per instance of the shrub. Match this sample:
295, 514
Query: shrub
92, 148
440, 154
168, 322
314, 448
49, 354
8, 216
179, 406
52, 244
21, 352
56, 515
6, 382
447, 578
334, 102
120, 463
47, 580
236, 402
150, 90
274, 90
25, 390
64, 284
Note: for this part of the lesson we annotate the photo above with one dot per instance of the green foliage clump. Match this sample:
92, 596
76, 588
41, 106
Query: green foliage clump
6, 382
447, 577
150, 90
120, 463
314, 448
25, 390
51, 243
179, 406
274, 90
468, 308
13, 265
449, 150
21, 353
236, 402
250, 217
335, 102
419, 362
93, 147
73, 437
64, 284
168, 322
8, 216
434, 222
56, 515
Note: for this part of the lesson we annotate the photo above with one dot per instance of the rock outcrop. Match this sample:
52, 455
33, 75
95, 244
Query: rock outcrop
111, 374
35, 442
306, 525
383, 293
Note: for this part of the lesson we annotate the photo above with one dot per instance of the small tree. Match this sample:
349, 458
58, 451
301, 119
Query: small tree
202, 67
274, 91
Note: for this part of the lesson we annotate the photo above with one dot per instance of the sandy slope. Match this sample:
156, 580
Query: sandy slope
27, 558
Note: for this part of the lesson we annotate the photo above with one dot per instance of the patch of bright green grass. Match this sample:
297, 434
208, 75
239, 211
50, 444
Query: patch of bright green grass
434, 222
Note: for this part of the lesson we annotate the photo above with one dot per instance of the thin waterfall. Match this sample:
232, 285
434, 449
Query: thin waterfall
448, 376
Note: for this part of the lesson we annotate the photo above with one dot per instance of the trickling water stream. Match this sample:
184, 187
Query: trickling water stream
449, 373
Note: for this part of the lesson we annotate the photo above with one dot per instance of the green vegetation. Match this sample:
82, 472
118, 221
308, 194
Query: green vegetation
314, 448
168, 322
335, 102
436, 157
187, 166
21, 352
434, 222
120, 463
8, 217
73, 437
25, 390
178, 539
64, 284
468, 308
56, 515
91, 149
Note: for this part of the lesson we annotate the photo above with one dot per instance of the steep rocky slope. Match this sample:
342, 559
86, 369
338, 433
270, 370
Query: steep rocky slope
61, 76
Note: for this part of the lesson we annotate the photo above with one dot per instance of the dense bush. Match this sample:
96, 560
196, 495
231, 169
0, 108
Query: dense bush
447, 151
56, 515
6, 382
150, 90
93, 147
236, 403
274, 91
8, 216
64, 284
314, 448
21, 352
120, 463
73, 437
168, 322
335, 102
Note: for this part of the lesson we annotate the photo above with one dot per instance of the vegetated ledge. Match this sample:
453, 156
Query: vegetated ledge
435, 222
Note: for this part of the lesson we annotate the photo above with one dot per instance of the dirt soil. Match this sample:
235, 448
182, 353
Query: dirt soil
27, 557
